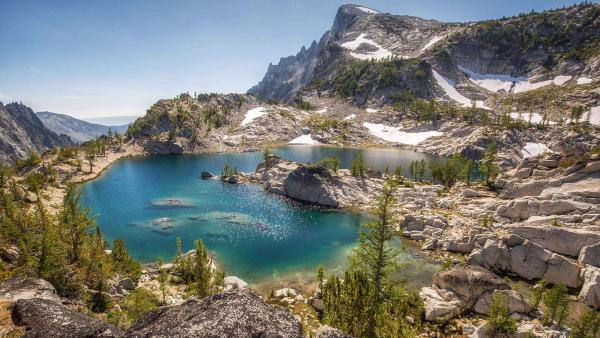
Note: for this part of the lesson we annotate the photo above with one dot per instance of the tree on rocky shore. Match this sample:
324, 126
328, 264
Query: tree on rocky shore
358, 166
368, 303
489, 166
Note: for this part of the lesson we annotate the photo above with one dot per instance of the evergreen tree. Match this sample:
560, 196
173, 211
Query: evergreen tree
420, 169
499, 320
163, 279
588, 325
489, 168
556, 300
374, 256
358, 166
75, 223
266, 157
202, 270
179, 249
538, 292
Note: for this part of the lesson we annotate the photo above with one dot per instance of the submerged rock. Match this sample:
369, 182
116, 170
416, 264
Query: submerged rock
234, 313
168, 203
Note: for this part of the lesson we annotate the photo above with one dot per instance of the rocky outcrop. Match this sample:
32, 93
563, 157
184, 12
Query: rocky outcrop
48, 318
528, 260
560, 240
22, 132
318, 185
515, 302
311, 184
590, 291
460, 289
590, 255
234, 313
16, 288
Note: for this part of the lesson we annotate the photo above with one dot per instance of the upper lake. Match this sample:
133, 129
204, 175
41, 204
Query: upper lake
150, 201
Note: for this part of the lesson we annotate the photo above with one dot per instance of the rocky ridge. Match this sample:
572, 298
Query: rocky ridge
22, 132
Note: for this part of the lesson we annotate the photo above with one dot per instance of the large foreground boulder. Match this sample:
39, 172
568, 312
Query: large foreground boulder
13, 289
48, 318
234, 313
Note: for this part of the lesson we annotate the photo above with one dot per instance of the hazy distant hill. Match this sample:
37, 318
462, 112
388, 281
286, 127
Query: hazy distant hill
113, 120
79, 131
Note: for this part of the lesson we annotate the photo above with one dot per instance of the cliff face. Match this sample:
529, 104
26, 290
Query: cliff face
22, 132
528, 48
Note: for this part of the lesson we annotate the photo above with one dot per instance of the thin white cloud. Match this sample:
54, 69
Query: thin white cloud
72, 97
36, 69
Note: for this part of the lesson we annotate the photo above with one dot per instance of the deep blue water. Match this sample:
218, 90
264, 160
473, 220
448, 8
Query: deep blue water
253, 234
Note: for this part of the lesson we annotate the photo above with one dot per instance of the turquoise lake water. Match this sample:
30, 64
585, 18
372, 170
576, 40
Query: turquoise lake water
253, 234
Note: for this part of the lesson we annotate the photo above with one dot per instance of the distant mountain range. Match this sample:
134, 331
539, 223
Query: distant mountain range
22, 132
112, 120
79, 131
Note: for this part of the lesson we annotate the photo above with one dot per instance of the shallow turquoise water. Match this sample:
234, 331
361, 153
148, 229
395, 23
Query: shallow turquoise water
253, 234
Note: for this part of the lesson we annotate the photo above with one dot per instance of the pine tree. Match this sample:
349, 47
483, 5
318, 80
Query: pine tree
556, 300
202, 270
499, 320
320, 276
179, 249
74, 222
358, 166
538, 292
489, 168
163, 279
374, 256
267, 157
588, 325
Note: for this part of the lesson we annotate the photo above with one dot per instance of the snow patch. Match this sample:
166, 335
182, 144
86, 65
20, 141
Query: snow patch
253, 114
584, 80
534, 149
449, 89
432, 42
394, 134
371, 110
350, 117
492, 82
527, 86
380, 53
304, 139
497, 82
321, 111
594, 115
367, 10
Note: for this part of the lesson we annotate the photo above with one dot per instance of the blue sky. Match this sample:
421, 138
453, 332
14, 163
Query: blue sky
103, 57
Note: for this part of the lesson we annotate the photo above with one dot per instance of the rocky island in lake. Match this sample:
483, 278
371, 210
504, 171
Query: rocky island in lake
398, 177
